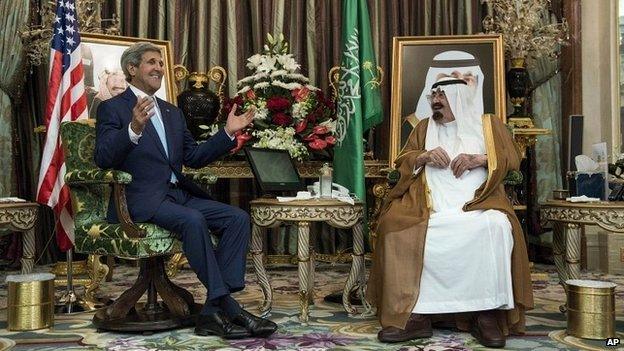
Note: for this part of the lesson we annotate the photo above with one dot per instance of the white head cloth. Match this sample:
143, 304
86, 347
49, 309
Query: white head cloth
446, 63
469, 123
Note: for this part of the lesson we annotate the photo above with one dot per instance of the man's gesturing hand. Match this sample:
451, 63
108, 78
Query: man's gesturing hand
235, 123
141, 113
437, 158
464, 162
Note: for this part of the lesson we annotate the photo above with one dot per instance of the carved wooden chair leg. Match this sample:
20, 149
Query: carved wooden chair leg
176, 303
124, 303
185, 294
124, 316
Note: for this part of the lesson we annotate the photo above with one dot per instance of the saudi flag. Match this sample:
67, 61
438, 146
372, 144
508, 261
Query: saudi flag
359, 101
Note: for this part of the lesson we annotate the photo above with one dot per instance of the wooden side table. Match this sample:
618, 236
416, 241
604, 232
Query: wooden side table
271, 213
21, 217
568, 218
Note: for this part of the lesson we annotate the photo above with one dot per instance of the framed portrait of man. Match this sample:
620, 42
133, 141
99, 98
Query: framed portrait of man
104, 77
418, 62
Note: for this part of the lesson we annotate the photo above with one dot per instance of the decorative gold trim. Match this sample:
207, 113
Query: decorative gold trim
19, 216
520, 122
267, 212
490, 147
398, 46
308, 169
612, 205
606, 215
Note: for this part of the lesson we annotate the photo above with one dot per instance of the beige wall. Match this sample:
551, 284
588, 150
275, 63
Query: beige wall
600, 74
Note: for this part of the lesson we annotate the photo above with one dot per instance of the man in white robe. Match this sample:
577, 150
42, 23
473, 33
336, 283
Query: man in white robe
467, 255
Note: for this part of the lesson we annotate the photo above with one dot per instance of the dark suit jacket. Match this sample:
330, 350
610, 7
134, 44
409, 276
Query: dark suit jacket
146, 161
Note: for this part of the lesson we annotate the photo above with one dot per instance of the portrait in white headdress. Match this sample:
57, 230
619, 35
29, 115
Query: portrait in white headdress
456, 64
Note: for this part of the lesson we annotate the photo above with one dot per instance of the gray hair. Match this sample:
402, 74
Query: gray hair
133, 54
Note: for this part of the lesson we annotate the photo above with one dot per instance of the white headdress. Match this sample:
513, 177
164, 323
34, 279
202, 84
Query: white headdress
469, 123
446, 63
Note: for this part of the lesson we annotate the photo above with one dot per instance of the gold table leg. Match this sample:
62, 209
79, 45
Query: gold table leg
303, 256
355, 274
573, 250
28, 252
258, 263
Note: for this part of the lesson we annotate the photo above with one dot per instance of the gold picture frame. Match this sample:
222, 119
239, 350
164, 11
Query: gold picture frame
100, 58
412, 58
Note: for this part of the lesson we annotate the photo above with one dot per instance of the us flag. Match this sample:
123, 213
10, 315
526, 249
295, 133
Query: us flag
66, 101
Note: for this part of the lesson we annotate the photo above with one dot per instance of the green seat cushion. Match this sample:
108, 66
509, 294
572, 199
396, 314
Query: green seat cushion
103, 238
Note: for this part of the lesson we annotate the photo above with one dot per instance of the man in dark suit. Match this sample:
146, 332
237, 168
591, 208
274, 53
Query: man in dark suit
147, 137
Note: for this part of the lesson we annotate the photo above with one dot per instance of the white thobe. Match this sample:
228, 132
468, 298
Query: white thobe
467, 258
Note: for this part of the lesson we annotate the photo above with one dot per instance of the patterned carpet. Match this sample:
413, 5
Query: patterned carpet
329, 329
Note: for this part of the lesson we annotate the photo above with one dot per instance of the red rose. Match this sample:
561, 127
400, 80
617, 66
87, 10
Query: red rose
241, 139
311, 117
282, 119
228, 103
300, 94
250, 94
301, 126
310, 137
277, 103
318, 144
320, 130
330, 139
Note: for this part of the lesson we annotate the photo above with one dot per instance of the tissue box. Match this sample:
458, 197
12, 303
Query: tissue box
590, 185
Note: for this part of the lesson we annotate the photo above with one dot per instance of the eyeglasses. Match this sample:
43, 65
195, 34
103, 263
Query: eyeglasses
439, 93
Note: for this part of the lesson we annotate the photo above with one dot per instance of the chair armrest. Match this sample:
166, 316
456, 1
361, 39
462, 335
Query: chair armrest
121, 206
118, 180
97, 176
202, 177
513, 178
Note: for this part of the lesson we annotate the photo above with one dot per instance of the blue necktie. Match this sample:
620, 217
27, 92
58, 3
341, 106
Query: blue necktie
160, 129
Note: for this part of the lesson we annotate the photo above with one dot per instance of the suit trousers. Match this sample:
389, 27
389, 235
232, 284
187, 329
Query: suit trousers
222, 268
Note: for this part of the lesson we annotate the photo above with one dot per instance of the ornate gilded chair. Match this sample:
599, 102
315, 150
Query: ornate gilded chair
90, 191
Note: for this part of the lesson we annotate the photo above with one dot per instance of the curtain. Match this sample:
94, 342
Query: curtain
14, 16
546, 108
16, 118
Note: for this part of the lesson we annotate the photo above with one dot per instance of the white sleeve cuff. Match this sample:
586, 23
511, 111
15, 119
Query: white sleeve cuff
134, 137
228, 134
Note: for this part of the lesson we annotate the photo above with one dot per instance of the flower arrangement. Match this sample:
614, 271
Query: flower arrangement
527, 28
290, 113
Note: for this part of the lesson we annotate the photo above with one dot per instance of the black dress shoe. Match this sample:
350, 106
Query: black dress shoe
220, 325
257, 326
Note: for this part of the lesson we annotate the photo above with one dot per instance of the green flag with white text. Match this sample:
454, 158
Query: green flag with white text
359, 100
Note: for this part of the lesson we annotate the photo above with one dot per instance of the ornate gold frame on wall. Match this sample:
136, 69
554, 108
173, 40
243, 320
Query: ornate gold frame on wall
121, 41
442, 43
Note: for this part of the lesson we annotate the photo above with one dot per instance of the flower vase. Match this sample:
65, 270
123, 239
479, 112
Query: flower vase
200, 105
518, 82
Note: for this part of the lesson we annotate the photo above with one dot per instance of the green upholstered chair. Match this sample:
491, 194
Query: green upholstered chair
90, 192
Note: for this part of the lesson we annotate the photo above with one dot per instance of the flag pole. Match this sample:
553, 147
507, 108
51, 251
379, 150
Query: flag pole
73, 302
